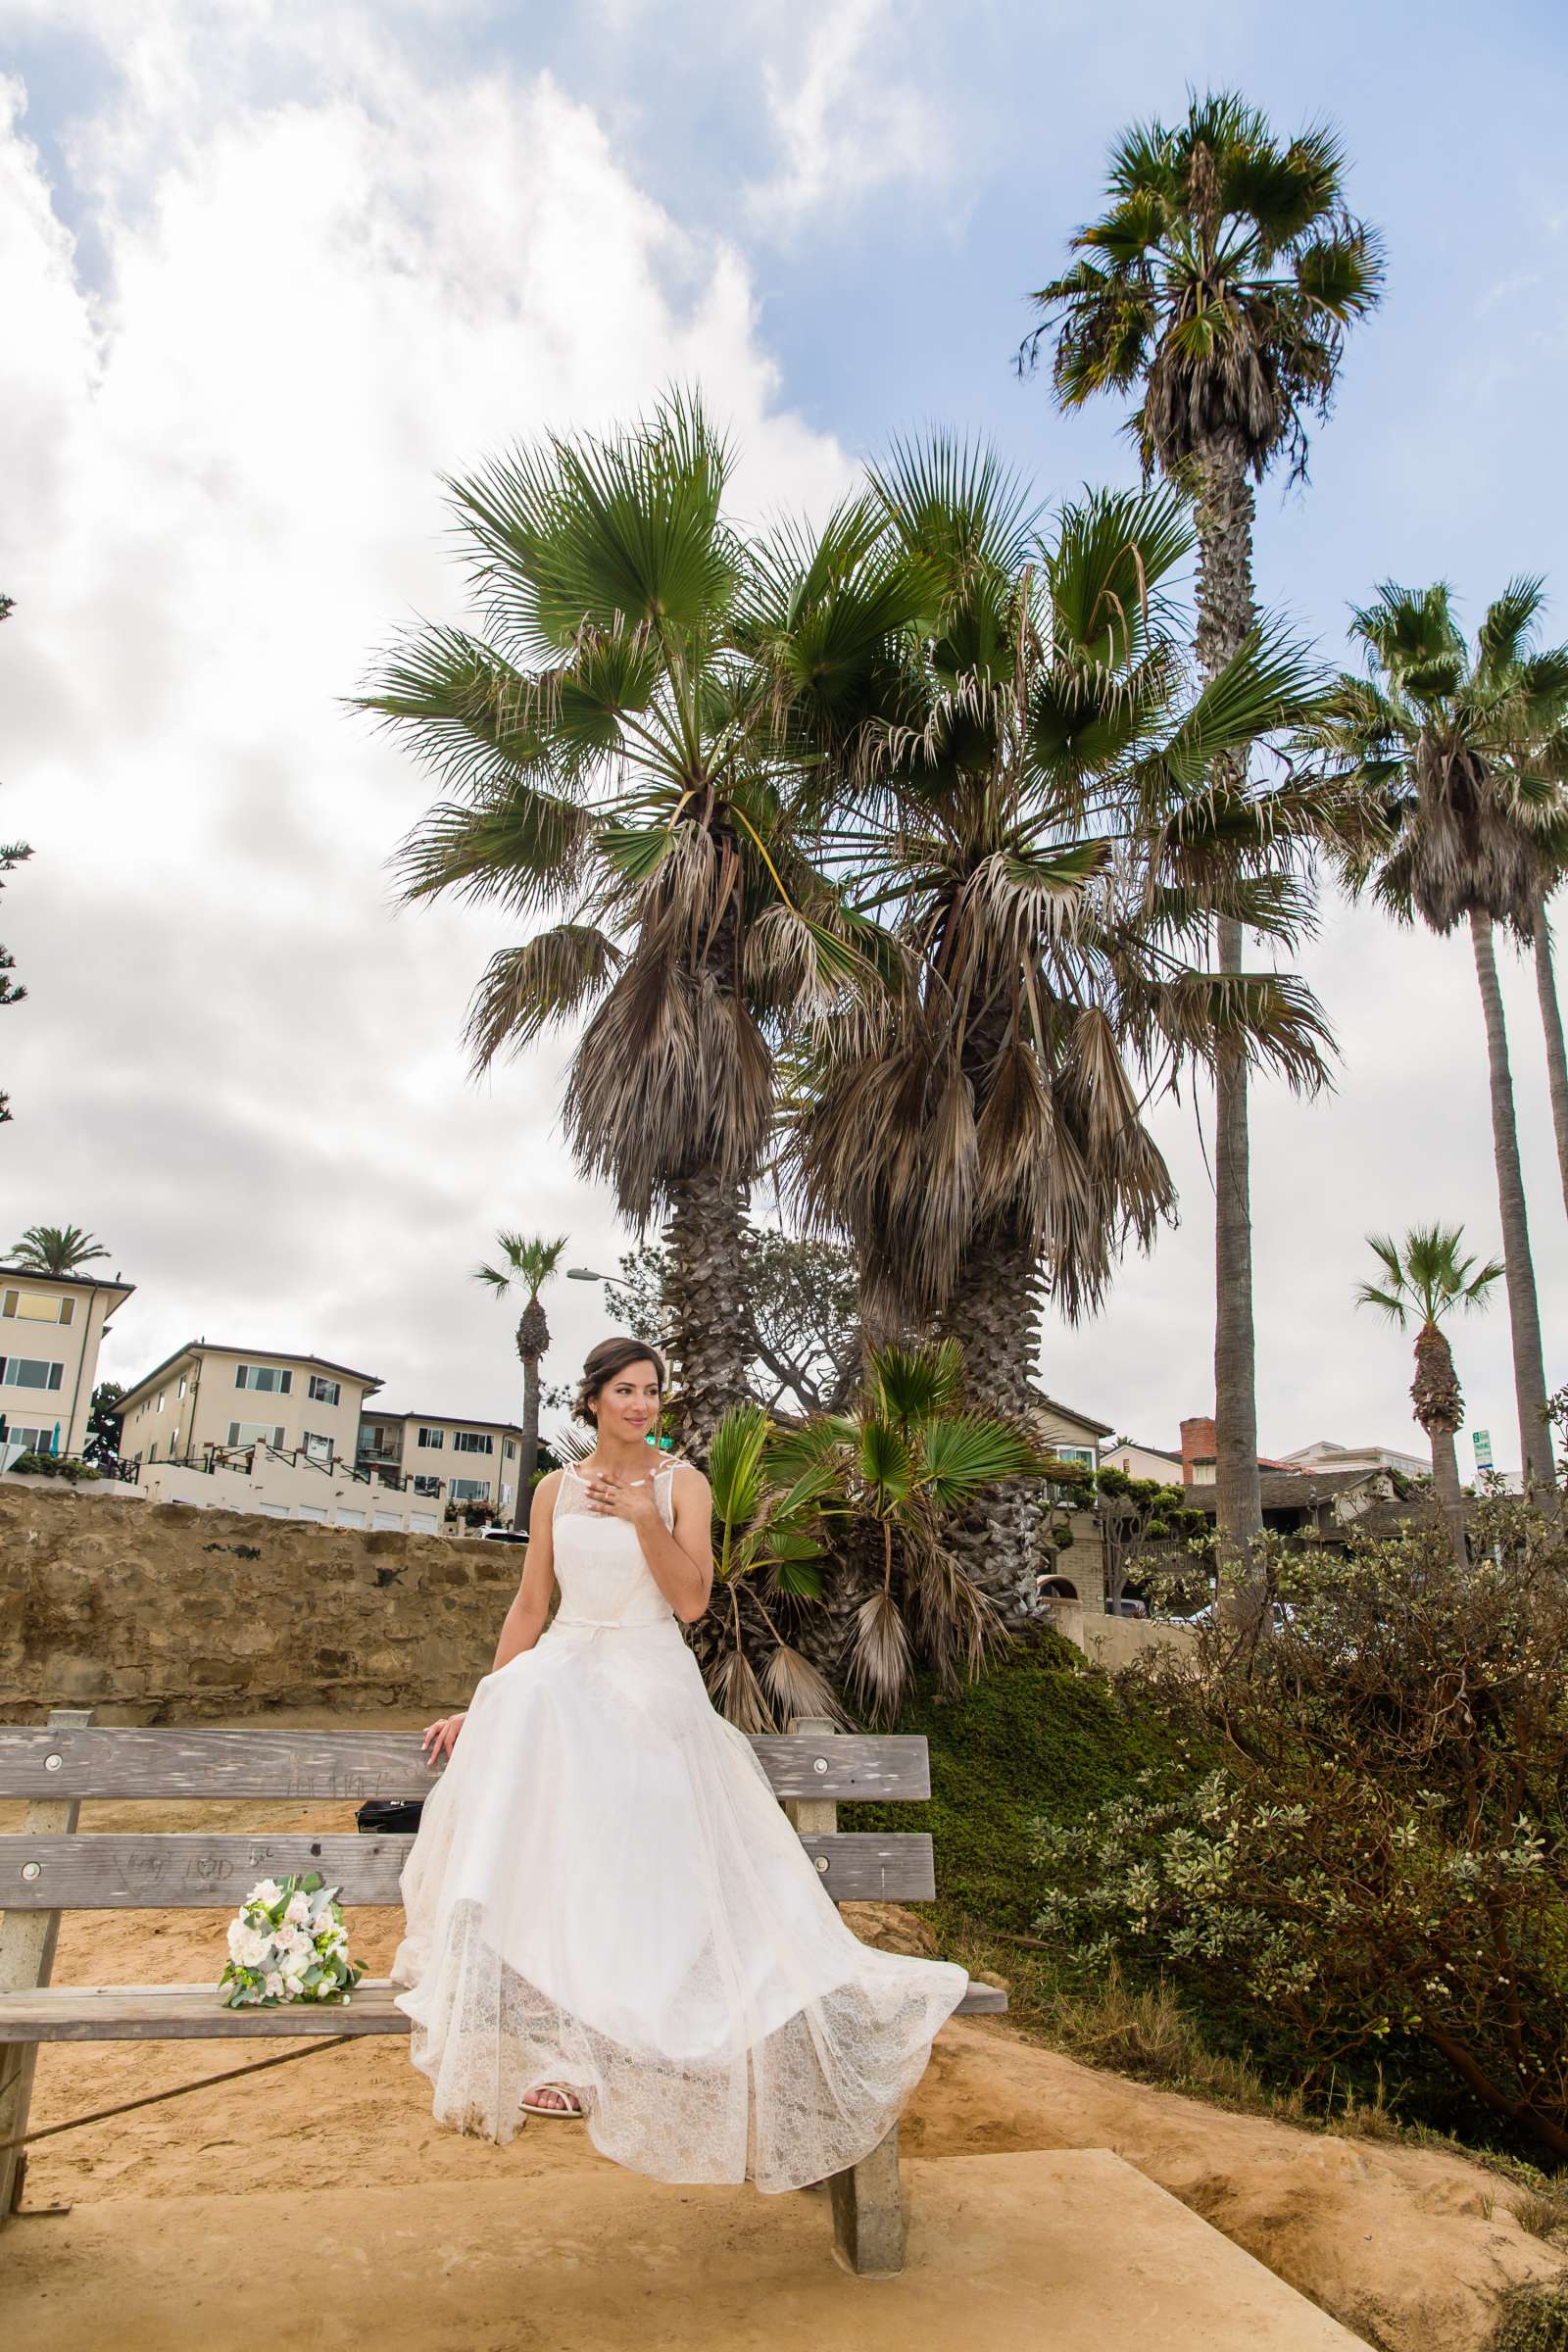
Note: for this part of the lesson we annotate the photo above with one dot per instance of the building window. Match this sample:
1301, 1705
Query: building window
324, 1391
1072, 1453
473, 1440
427, 1486
181, 1389
511, 1449
29, 1372
31, 1307
432, 1439
275, 1377
317, 1447
255, 1432
470, 1490
163, 1398
34, 1441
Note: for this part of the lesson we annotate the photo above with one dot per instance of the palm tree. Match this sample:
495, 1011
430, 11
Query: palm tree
832, 1542
1428, 1276
1019, 824
611, 753
1551, 1019
54, 1249
526, 1265
1445, 748
1219, 284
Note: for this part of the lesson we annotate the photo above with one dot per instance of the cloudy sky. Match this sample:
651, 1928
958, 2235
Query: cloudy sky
269, 269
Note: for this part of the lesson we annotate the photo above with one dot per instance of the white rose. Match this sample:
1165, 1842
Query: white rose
274, 1985
299, 1907
265, 1890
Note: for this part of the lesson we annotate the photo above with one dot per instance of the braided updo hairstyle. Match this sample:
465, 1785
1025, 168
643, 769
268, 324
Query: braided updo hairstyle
603, 1362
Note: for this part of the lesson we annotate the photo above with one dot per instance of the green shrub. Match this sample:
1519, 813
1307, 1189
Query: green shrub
1376, 1868
1040, 1733
1533, 2318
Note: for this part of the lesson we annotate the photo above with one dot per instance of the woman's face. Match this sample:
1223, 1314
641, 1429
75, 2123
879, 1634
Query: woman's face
628, 1404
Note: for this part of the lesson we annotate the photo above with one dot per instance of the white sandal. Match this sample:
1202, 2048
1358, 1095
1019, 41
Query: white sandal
569, 2114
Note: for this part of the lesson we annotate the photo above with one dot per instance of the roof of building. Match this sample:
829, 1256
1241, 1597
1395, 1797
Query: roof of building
1291, 1489
1136, 1445
1071, 1412
249, 1356
377, 1412
80, 1282
1388, 1518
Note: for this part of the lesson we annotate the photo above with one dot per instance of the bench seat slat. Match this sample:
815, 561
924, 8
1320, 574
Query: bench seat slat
194, 1870
193, 2013
149, 1761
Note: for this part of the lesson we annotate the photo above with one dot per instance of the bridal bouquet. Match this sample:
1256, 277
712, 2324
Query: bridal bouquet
288, 1944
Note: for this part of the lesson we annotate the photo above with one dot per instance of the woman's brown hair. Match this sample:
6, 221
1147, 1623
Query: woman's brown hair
602, 1363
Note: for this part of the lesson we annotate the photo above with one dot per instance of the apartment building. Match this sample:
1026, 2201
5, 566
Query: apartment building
1072, 1436
441, 1459
51, 1327
206, 1399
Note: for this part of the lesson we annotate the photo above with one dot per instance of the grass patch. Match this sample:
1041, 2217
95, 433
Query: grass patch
1532, 2318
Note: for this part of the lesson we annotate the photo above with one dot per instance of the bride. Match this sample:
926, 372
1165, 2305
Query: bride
607, 1913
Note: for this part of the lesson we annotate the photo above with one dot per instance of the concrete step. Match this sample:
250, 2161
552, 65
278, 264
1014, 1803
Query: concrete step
1069, 2249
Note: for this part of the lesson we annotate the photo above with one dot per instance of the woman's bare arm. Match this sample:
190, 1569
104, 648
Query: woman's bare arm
525, 1621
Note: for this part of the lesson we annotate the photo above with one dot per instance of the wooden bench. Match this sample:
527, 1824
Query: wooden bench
48, 1868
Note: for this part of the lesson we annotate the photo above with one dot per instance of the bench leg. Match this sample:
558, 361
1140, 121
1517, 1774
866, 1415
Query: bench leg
868, 2228
26, 1957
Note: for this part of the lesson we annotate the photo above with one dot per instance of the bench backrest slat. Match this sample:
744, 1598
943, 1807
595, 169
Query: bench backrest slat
190, 1870
135, 1761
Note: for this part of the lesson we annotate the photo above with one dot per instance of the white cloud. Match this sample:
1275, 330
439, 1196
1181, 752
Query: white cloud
324, 286
846, 118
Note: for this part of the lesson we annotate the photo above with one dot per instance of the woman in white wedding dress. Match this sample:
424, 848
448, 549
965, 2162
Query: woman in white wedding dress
606, 1912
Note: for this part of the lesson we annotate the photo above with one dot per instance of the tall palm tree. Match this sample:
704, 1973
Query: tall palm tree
1218, 284
1425, 1277
1541, 943
526, 1265
55, 1249
1445, 747
1017, 825
611, 755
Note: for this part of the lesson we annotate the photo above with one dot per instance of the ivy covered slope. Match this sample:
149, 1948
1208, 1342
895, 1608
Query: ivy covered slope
1038, 1735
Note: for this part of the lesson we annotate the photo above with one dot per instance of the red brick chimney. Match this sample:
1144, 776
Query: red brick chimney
1200, 1451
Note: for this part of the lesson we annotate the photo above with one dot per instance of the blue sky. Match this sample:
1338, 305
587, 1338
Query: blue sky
278, 266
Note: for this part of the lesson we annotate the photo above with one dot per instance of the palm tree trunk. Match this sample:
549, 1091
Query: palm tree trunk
1439, 1409
708, 1320
995, 1315
1524, 1314
529, 1449
1225, 613
1551, 1023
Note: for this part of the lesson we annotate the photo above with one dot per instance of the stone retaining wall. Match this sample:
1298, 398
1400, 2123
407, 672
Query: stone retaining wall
160, 1612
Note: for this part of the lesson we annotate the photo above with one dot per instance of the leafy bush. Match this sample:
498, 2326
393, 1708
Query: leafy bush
35, 1465
1380, 1854
1533, 2318
1038, 1729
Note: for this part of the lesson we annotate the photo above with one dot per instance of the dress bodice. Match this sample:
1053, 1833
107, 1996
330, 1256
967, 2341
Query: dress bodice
599, 1567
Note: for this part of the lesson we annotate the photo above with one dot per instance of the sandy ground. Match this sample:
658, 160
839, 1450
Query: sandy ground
1407, 2247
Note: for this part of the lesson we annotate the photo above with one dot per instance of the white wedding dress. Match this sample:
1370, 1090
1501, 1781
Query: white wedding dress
606, 1894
